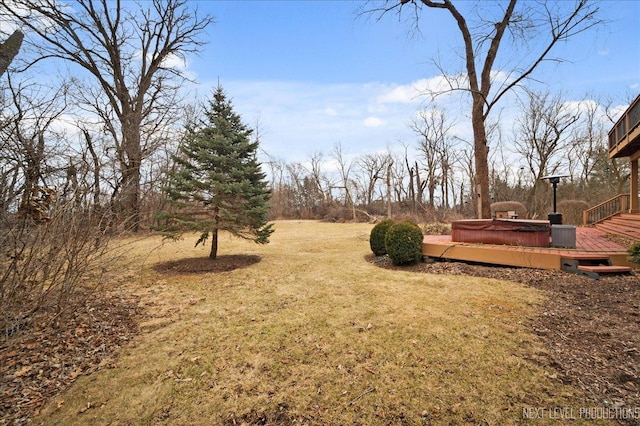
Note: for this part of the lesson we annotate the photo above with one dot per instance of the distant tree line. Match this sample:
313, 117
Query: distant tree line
431, 178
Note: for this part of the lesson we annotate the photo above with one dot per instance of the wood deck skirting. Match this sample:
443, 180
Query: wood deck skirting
590, 243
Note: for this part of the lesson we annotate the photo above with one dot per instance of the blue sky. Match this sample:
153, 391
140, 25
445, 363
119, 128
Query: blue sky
315, 73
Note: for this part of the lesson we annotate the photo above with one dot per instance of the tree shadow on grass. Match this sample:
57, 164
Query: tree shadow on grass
204, 265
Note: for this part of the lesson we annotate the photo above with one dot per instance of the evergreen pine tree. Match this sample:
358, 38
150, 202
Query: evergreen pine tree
217, 183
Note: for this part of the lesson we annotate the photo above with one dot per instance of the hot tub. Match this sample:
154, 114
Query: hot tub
512, 232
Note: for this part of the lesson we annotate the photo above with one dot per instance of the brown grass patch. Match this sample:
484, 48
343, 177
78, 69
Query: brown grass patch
314, 334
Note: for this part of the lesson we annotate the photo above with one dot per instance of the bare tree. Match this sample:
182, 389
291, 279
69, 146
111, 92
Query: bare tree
128, 54
301, 196
344, 170
448, 158
388, 179
589, 137
372, 168
24, 151
321, 180
502, 175
521, 23
468, 198
398, 178
432, 128
277, 168
415, 186
544, 133
609, 177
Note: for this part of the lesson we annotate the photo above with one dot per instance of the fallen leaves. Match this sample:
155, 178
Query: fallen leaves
37, 364
23, 371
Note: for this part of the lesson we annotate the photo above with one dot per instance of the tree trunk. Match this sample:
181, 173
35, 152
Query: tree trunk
9, 49
389, 189
131, 161
353, 203
96, 171
213, 254
34, 156
130, 196
419, 186
481, 157
412, 192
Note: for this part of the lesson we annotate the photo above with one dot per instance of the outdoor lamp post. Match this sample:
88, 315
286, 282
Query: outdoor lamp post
555, 218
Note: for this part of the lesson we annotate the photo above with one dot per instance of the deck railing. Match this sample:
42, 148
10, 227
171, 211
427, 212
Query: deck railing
606, 209
625, 125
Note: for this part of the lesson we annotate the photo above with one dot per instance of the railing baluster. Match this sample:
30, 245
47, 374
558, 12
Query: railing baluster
606, 209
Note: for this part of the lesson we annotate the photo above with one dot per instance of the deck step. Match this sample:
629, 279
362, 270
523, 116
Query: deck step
598, 257
629, 216
619, 229
605, 269
625, 223
591, 265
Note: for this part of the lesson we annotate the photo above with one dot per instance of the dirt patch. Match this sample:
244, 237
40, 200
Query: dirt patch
202, 265
270, 415
590, 328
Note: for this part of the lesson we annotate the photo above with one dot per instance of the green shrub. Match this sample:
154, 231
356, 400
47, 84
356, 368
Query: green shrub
634, 253
376, 238
404, 243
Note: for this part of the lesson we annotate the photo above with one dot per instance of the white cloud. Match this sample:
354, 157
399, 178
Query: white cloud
399, 94
376, 108
435, 88
374, 122
415, 92
300, 118
578, 107
617, 111
65, 125
175, 62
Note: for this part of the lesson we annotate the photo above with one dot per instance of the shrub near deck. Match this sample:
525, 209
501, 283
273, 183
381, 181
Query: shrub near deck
377, 236
403, 242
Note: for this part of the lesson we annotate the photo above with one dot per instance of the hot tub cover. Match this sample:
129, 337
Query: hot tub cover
516, 225
515, 232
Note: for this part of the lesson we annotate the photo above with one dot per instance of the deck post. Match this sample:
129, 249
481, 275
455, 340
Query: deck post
634, 187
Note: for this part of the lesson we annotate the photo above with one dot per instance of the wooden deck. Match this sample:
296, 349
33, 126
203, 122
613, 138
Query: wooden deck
591, 243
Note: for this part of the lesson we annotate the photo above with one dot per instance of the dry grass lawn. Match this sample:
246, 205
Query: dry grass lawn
315, 334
